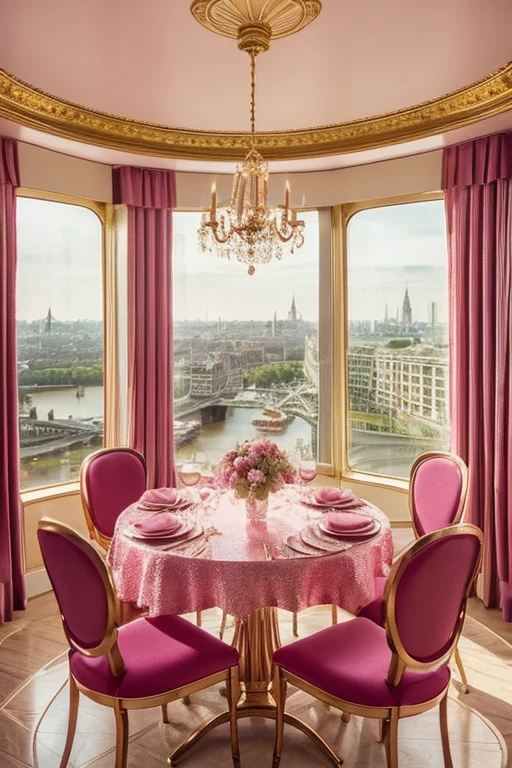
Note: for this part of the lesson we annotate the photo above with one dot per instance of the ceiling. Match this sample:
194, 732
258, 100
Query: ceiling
152, 62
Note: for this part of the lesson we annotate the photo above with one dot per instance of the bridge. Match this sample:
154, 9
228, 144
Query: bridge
38, 437
298, 399
224, 388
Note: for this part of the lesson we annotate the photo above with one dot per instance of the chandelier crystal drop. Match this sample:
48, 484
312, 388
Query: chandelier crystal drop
247, 227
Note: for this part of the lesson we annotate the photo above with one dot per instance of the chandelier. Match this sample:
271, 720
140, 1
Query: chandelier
247, 227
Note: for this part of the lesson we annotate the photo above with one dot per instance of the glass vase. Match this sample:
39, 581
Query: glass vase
256, 509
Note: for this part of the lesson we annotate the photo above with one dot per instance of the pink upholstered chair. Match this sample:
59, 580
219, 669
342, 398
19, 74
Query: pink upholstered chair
401, 670
437, 498
437, 491
110, 480
146, 663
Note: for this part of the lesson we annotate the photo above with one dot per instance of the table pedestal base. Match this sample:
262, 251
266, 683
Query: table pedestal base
253, 712
256, 638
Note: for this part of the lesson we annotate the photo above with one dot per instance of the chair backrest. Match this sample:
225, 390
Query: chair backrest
425, 596
437, 491
110, 480
83, 587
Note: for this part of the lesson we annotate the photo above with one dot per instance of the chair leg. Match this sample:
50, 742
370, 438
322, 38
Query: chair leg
295, 625
279, 694
165, 714
199, 620
334, 614
223, 624
391, 739
462, 671
121, 716
443, 721
381, 732
233, 694
74, 698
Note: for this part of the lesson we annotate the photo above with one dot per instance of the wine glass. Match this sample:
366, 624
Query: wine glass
189, 474
307, 470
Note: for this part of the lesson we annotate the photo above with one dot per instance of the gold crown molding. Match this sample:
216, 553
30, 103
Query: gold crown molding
28, 106
282, 17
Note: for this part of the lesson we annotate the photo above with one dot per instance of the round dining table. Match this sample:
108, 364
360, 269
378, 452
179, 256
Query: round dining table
249, 569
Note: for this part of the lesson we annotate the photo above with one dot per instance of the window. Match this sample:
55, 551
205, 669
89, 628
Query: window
60, 338
397, 336
246, 348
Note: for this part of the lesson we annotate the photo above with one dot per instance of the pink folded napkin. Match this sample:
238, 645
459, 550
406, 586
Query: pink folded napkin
342, 522
164, 522
332, 496
168, 496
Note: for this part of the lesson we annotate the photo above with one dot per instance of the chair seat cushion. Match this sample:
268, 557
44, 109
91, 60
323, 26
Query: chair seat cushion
160, 654
351, 661
375, 610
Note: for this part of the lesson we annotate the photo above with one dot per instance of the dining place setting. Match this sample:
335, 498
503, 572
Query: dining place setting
167, 522
340, 520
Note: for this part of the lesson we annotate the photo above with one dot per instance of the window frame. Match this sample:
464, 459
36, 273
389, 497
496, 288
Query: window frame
326, 252
341, 216
333, 232
104, 213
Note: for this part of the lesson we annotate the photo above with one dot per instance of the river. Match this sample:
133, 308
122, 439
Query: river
66, 404
213, 442
368, 452
217, 439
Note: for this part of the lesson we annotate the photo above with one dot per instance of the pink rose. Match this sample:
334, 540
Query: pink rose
255, 476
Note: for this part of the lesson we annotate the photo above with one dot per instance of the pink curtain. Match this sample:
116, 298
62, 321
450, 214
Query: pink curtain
150, 196
477, 179
12, 582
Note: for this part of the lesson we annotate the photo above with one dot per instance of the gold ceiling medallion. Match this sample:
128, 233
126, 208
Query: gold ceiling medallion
26, 105
247, 228
281, 17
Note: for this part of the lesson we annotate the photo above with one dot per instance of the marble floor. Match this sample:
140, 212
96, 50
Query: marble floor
33, 709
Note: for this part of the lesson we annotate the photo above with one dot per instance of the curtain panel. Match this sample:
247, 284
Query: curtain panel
12, 581
150, 196
477, 181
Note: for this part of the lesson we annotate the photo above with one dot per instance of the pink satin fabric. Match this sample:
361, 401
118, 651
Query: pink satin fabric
12, 579
477, 180
234, 573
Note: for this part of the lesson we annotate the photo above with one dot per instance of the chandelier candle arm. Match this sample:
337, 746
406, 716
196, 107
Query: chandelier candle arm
247, 227
213, 210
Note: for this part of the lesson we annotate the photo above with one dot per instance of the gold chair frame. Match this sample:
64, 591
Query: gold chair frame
400, 661
128, 612
457, 519
94, 533
421, 459
108, 647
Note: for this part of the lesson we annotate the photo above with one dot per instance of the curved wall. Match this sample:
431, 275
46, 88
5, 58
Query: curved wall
42, 169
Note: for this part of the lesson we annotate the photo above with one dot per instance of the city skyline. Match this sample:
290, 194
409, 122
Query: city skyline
392, 248
389, 248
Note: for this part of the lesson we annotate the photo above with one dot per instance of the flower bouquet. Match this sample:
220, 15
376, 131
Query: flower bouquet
253, 470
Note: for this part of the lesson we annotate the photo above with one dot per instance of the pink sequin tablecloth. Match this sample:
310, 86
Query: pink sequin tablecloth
235, 571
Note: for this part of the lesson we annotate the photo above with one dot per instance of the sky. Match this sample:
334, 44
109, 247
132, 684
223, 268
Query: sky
59, 266
394, 248
59, 261
205, 284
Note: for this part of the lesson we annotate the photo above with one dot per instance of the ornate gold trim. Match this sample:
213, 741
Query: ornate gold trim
282, 17
28, 106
